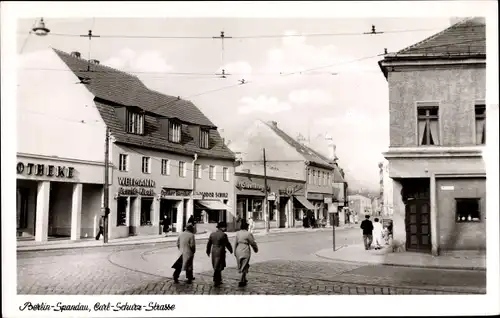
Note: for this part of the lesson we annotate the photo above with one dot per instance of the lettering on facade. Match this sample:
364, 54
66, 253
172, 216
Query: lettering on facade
175, 192
291, 190
213, 195
247, 185
32, 169
136, 191
136, 182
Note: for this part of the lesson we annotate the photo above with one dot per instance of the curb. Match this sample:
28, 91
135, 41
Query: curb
467, 268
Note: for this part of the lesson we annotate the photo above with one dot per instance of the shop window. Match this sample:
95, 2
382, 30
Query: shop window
298, 214
204, 134
174, 132
211, 172
225, 173
165, 167
428, 125
197, 171
272, 210
123, 164
468, 210
255, 209
121, 211
146, 206
480, 124
182, 169
135, 123
146, 165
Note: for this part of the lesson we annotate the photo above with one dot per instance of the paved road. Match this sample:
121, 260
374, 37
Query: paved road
285, 264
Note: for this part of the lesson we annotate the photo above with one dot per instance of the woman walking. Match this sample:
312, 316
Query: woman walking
217, 244
244, 240
166, 224
251, 225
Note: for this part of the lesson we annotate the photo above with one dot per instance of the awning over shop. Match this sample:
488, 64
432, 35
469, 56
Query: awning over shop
212, 205
303, 201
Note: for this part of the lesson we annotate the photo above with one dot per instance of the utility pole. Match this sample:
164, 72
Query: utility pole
106, 187
266, 202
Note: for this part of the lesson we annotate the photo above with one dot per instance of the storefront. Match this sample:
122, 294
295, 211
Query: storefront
57, 198
209, 209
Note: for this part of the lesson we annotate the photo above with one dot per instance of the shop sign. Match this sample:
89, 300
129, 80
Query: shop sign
213, 195
291, 190
247, 185
175, 192
447, 188
328, 200
42, 170
136, 186
272, 197
315, 196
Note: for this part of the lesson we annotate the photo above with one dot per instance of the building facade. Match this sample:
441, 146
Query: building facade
360, 206
437, 132
166, 158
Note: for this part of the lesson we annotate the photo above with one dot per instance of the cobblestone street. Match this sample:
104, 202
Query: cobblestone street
285, 265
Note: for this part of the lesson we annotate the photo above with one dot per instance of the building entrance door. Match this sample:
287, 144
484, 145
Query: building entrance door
418, 235
282, 212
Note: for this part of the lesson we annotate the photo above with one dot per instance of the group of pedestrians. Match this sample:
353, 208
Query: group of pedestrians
217, 244
372, 232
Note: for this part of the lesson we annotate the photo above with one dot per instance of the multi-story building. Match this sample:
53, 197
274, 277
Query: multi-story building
299, 180
360, 206
388, 193
166, 156
437, 133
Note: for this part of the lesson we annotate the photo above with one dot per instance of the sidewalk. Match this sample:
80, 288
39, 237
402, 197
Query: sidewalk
465, 260
149, 239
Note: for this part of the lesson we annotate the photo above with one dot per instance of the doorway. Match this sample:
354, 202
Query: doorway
241, 208
282, 211
168, 208
418, 235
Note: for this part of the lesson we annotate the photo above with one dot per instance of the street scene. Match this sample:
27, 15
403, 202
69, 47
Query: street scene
252, 156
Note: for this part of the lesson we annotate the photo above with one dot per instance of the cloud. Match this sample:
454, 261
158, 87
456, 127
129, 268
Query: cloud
145, 61
310, 97
264, 104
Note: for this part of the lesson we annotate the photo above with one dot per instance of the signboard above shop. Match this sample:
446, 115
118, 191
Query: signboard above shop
167, 192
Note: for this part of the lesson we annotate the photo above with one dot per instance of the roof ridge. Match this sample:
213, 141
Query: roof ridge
402, 51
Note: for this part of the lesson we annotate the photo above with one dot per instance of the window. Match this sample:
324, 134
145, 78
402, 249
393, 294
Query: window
123, 165
204, 133
314, 177
211, 172
182, 169
165, 167
197, 171
428, 125
135, 123
255, 209
322, 180
121, 215
480, 124
467, 210
146, 165
328, 179
310, 176
146, 206
225, 172
174, 132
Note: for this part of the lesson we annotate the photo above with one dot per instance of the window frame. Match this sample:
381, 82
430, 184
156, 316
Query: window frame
428, 118
165, 167
225, 174
132, 126
125, 164
182, 169
212, 172
481, 116
172, 135
204, 138
148, 165
197, 171
479, 211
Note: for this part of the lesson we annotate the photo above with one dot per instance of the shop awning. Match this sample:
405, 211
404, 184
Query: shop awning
303, 201
212, 205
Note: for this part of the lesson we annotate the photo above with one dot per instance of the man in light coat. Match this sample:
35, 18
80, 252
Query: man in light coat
187, 246
378, 234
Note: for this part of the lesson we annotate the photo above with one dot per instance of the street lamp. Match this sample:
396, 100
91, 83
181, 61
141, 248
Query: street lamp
40, 29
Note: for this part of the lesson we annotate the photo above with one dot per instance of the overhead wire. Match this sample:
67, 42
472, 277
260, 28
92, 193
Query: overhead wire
27, 37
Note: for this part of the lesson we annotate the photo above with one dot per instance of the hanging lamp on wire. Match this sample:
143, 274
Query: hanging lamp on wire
40, 29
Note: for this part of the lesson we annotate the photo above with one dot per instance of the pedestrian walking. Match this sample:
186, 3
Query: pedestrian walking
216, 246
251, 225
101, 228
378, 234
238, 222
187, 246
367, 228
166, 224
243, 241
192, 222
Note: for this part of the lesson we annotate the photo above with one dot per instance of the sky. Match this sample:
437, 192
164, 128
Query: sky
311, 85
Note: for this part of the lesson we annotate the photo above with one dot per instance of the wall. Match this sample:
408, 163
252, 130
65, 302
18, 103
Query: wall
280, 169
91, 210
319, 188
398, 216
460, 236
456, 90
50, 102
416, 167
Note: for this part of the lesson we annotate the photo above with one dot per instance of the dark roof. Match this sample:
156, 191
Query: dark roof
465, 39
306, 152
125, 89
337, 176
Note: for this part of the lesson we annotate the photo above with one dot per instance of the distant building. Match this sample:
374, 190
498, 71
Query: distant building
437, 91
360, 205
388, 193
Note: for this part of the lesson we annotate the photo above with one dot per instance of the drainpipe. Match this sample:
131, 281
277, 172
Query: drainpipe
193, 180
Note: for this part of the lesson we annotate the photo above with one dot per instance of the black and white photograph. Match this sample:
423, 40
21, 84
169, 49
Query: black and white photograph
337, 151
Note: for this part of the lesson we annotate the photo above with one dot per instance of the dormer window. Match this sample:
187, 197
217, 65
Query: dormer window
174, 131
135, 122
204, 133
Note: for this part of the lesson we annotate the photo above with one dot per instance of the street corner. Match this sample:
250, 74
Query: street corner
353, 253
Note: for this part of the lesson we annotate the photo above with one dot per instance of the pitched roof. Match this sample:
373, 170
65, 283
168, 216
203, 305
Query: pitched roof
337, 176
306, 152
125, 89
465, 38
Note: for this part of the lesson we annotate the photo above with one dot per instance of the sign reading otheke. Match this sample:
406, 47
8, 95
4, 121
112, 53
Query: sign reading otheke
136, 186
42, 170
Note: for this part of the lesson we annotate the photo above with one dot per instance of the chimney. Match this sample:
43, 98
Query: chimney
275, 124
94, 61
76, 54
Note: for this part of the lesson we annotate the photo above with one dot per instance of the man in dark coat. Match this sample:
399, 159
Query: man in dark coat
217, 244
367, 227
166, 224
187, 246
101, 227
